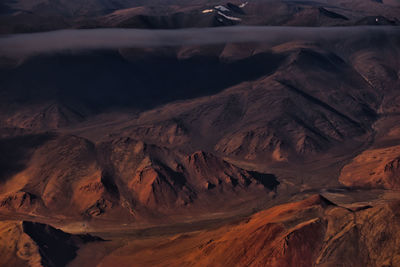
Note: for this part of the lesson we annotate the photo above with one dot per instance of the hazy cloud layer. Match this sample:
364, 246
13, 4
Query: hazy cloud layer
32, 43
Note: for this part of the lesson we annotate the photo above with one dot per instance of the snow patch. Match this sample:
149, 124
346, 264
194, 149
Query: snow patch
242, 5
228, 17
222, 8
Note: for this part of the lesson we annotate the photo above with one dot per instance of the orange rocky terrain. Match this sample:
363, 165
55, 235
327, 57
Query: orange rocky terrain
311, 232
25, 243
125, 179
213, 146
374, 168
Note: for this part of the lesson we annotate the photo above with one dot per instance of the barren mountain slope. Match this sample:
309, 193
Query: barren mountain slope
125, 179
313, 232
294, 111
25, 243
258, 104
374, 168
190, 147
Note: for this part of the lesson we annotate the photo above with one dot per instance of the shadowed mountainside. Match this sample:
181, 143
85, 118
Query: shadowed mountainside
126, 152
31, 16
182, 153
279, 102
35, 244
126, 179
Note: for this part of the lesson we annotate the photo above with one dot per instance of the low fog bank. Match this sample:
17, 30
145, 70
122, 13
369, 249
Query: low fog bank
20, 45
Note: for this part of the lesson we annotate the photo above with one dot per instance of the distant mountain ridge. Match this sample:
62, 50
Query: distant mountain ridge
33, 16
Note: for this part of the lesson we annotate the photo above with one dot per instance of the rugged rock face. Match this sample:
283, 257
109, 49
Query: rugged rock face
272, 238
312, 232
159, 178
124, 178
186, 139
59, 175
17, 248
270, 104
326, 238
34, 244
374, 168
